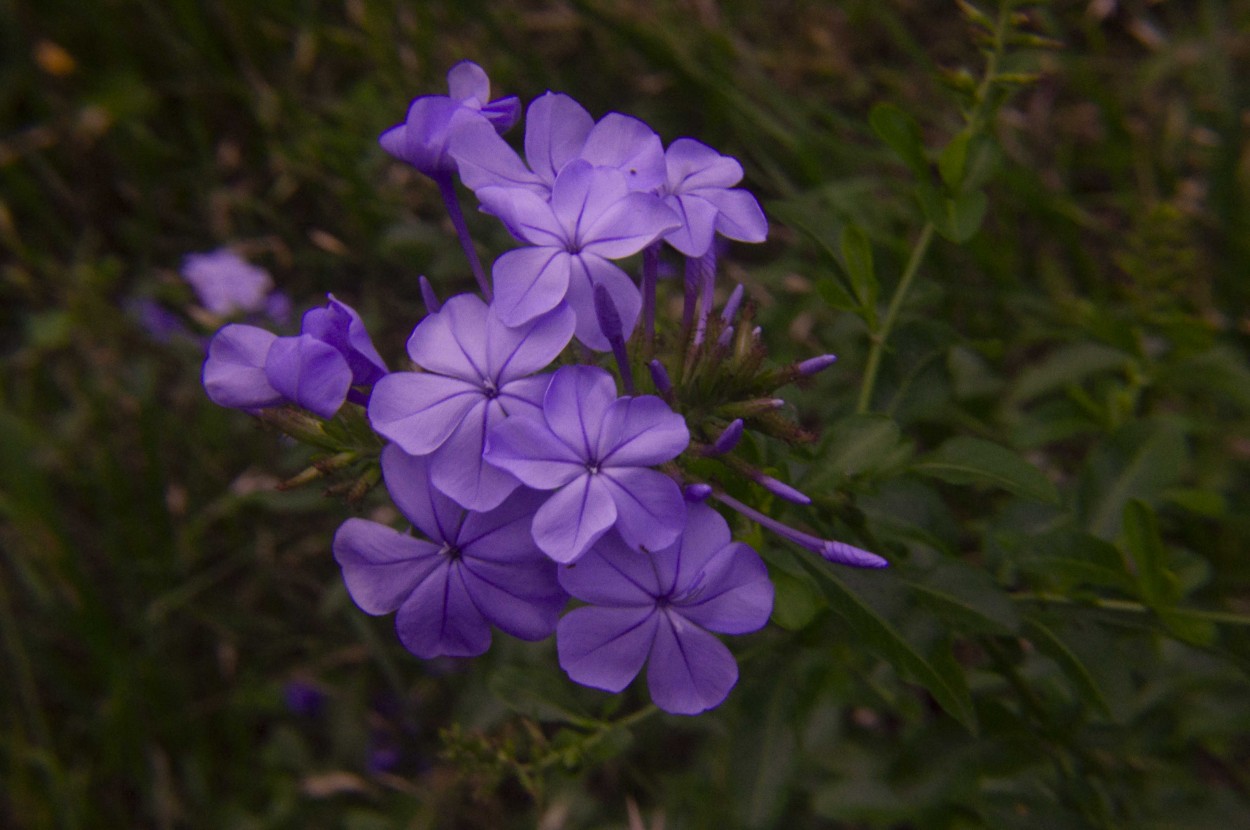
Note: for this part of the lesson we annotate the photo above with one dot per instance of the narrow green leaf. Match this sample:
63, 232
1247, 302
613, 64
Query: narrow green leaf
537, 694
857, 445
966, 460
1049, 643
1143, 543
901, 132
1066, 366
966, 597
832, 292
857, 257
1141, 461
951, 161
880, 636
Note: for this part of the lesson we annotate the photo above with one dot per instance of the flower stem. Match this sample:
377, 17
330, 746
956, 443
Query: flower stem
448, 190
882, 334
650, 274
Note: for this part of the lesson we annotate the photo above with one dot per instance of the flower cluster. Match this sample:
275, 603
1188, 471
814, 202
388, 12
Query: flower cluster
534, 470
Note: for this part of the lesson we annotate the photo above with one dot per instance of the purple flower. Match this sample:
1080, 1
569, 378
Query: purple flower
477, 372
594, 450
422, 139
699, 187
251, 368
592, 217
476, 569
660, 608
226, 283
558, 130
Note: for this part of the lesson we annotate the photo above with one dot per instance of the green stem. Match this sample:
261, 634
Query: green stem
1130, 607
882, 334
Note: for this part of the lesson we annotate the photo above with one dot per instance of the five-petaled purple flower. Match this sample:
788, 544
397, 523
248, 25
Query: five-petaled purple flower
699, 187
422, 139
660, 608
477, 372
476, 569
595, 450
592, 217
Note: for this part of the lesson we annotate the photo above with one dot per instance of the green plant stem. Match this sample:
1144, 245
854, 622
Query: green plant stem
882, 334
1130, 607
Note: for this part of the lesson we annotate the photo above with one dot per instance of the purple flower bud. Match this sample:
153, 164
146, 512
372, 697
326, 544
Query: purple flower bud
839, 552
782, 490
815, 364
731, 305
432, 305
697, 492
659, 376
729, 438
725, 337
226, 283
606, 314
303, 698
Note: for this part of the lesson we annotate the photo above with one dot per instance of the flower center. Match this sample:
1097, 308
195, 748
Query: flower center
489, 387
451, 552
592, 467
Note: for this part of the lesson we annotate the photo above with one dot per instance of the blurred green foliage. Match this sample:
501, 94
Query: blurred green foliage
1052, 448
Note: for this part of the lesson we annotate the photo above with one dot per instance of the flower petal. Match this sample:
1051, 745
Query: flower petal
698, 217
529, 282
556, 127
629, 145
691, 165
612, 573
604, 648
738, 215
311, 373
575, 405
581, 195
458, 469
467, 80
381, 566
486, 160
735, 595
650, 509
450, 342
515, 352
407, 480
520, 598
234, 369
418, 410
641, 431
527, 448
589, 270
528, 215
627, 226
440, 619
690, 671
574, 518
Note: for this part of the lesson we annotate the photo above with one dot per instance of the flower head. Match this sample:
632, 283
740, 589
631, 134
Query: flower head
422, 139
592, 217
699, 187
226, 283
595, 450
661, 608
473, 571
477, 372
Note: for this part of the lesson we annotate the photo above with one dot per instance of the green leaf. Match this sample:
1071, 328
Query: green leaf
857, 257
1066, 366
964, 215
952, 159
967, 460
1141, 539
1074, 558
857, 445
1141, 461
966, 597
797, 601
1050, 644
901, 132
875, 632
832, 292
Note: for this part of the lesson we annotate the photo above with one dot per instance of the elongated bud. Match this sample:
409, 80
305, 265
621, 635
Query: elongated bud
610, 324
731, 305
812, 365
839, 552
725, 337
301, 426
697, 492
782, 490
659, 376
729, 438
432, 305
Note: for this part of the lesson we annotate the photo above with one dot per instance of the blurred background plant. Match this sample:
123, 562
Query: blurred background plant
1024, 229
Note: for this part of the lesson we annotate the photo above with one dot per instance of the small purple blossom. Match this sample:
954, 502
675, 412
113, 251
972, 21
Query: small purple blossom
592, 217
422, 139
477, 372
333, 358
595, 450
660, 608
699, 187
473, 571
226, 283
